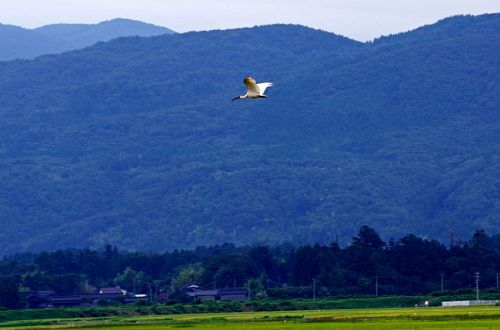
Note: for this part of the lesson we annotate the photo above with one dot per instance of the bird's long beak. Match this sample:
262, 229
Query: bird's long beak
236, 98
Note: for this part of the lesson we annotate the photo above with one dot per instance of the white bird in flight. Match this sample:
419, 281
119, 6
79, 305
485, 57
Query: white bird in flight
254, 90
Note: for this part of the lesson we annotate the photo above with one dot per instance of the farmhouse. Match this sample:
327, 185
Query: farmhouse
113, 291
200, 294
233, 294
44, 299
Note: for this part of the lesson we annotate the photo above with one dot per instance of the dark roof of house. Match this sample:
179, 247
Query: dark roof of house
66, 299
199, 293
37, 293
233, 291
111, 290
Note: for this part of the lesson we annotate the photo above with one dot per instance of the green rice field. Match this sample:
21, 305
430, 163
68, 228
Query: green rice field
356, 319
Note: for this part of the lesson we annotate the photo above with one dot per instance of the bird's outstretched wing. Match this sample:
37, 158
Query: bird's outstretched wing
263, 86
251, 85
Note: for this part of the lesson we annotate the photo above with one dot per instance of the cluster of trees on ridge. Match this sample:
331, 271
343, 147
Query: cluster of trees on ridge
410, 266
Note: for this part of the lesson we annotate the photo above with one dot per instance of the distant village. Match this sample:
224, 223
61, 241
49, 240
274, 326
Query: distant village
117, 295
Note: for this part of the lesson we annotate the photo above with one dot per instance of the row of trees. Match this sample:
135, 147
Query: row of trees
410, 265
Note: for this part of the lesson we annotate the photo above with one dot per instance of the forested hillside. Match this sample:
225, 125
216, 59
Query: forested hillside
406, 266
135, 142
20, 43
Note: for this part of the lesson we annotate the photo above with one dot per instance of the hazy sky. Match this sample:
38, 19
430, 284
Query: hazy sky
357, 19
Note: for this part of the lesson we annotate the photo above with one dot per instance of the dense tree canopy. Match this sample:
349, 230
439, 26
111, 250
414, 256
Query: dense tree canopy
410, 265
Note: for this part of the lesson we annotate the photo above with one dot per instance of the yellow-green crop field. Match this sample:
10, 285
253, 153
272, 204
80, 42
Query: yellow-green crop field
477, 318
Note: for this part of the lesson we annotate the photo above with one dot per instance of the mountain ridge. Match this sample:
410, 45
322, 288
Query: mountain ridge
134, 142
57, 38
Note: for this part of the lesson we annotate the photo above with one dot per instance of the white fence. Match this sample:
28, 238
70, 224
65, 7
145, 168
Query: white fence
468, 303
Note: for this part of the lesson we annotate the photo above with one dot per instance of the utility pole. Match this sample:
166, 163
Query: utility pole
497, 281
442, 282
249, 292
314, 289
476, 279
376, 286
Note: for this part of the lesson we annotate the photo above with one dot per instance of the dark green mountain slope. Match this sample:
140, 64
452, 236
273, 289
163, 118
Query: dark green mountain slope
56, 38
135, 142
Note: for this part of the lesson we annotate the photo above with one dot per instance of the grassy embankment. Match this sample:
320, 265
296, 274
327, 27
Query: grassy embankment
473, 318
353, 310
211, 307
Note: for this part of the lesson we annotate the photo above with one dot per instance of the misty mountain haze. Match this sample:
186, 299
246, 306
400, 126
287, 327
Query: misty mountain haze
20, 43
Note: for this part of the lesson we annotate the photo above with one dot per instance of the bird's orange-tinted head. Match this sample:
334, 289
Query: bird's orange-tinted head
248, 80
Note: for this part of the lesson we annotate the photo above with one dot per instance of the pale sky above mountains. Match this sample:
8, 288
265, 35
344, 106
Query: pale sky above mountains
357, 19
